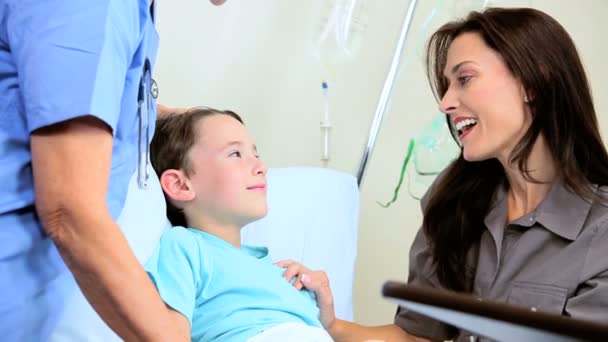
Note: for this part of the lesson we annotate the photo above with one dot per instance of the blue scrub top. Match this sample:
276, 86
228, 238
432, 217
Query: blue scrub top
61, 59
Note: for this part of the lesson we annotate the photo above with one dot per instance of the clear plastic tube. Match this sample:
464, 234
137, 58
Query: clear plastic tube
325, 124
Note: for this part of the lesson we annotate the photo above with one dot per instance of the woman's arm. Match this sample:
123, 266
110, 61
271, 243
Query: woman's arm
343, 331
340, 330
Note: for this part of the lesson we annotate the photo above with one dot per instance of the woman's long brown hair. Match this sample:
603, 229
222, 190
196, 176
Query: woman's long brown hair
541, 55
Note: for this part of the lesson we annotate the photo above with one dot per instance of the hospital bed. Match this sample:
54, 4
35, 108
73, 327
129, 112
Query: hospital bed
312, 218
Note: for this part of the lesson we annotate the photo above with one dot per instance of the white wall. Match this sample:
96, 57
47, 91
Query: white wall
256, 58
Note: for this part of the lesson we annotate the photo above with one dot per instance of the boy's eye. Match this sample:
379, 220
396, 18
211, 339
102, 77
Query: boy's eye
235, 154
464, 79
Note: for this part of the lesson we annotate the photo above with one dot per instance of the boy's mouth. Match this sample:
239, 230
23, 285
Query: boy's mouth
259, 187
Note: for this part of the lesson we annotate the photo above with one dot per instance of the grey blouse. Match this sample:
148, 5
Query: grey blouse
554, 259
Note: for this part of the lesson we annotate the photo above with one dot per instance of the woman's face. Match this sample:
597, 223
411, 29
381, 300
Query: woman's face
484, 101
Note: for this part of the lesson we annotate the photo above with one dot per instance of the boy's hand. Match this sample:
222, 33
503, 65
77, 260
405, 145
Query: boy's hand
315, 281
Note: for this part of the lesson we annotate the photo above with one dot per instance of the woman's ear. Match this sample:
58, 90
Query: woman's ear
176, 186
527, 95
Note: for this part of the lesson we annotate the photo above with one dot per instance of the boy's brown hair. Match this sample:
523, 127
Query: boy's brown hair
174, 136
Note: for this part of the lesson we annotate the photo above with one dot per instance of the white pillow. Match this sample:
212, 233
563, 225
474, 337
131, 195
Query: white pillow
313, 219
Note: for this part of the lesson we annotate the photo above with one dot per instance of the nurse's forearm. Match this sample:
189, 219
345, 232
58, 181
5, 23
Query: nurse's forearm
112, 279
71, 167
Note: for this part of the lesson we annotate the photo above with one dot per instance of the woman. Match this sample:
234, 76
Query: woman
520, 216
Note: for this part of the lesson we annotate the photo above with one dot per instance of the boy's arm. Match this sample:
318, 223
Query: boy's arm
181, 323
176, 271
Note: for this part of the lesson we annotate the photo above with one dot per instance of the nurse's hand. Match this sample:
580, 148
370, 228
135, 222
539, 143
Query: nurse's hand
163, 111
315, 281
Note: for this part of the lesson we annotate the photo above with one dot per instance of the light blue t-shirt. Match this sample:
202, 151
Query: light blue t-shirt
227, 293
61, 59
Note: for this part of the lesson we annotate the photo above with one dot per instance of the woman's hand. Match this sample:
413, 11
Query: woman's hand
315, 281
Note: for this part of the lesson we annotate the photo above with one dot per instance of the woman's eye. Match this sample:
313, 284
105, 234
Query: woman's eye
464, 79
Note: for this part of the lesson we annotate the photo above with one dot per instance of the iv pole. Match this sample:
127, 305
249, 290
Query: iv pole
386, 90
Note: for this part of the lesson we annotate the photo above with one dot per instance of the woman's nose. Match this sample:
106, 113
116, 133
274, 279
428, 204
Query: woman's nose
449, 102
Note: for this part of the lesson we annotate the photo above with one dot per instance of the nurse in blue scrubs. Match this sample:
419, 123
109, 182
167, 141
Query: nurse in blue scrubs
80, 208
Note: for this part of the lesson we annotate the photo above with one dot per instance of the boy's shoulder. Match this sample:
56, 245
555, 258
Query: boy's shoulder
178, 235
177, 231
184, 237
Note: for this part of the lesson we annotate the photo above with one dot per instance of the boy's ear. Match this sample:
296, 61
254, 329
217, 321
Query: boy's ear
175, 185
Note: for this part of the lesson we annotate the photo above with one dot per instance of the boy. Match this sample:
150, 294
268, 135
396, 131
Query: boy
214, 184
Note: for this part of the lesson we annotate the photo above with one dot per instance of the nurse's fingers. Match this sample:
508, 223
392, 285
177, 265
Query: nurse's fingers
164, 111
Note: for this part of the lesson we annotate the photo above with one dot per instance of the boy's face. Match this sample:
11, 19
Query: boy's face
228, 178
